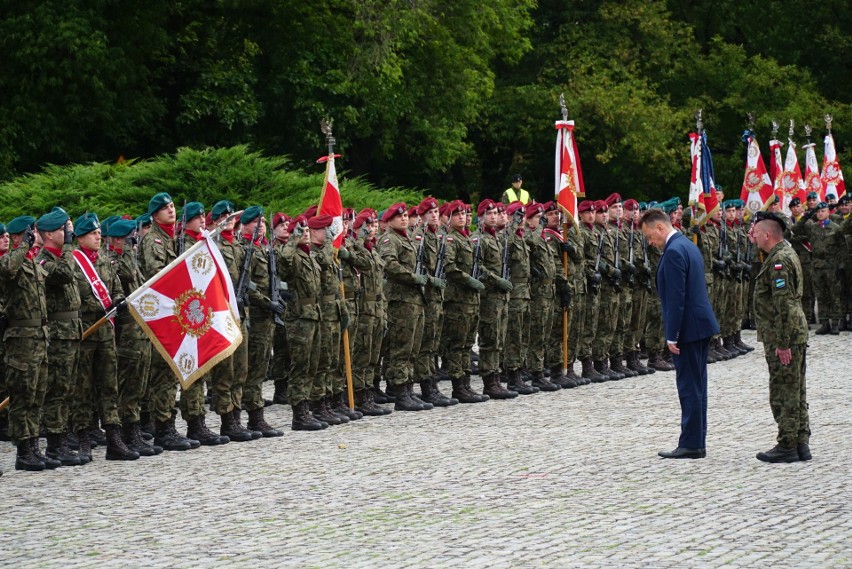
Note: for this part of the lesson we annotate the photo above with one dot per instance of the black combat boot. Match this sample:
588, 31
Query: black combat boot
779, 454
728, 344
146, 423
131, 434
365, 404
256, 422
602, 367
403, 400
303, 420
482, 397
97, 436
538, 380
410, 388
463, 395
824, 329
492, 387
56, 449
49, 463
712, 355
26, 460
84, 444
116, 449
341, 406
558, 378
431, 394
617, 365
166, 436
842, 326
834, 331
738, 340
238, 421
323, 412
196, 428
634, 364
380, 396
574, 378
516, 383
235, 432
589, 372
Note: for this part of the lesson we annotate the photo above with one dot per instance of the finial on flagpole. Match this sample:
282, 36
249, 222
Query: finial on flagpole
699, 121
325, 127
791, 131
828, 123
563, 107
750, 120
808, 132
775, 127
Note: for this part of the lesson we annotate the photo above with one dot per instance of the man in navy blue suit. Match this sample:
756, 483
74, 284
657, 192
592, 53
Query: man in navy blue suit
688, 324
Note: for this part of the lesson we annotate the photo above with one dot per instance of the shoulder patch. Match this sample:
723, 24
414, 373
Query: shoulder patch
780, 283
386, 240
449, 239
778, 266
158, 242
418, 237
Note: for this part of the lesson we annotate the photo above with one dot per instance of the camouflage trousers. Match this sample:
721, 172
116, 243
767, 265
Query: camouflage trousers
134, 367
59, 388
608, 301
97, 384
304, 338
622, 321
339, 379
787, 395
280, 371
654, 324
808, 293
261, 329
162, 388
517, 334
405, 334
576, 325
553, 349
541, 318
827, 289
368, 348
328, 372
638, 314
586, 336
228, 377
424, 363
26, 376
493, 313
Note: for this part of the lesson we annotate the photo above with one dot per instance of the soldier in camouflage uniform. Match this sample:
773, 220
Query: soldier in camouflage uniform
562, 302
653, 334
493, 301
623, 298
157, 250
404, 291
609, 295
25, 340
132, 346
97, 379
280, 367
636, 279
261, 324
783, 329
4, 414
593, 243
577, 247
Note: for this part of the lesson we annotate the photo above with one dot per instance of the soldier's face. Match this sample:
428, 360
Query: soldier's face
822, 214
776, 208
845, 208
812, 202
432, 217
600, 217
196, 224
4, 242
504, 218
615, 212
91, 240
491, 217
53, 238
17, 239
373, 228
730, 214
796, 210
534, 221
552, 218
458, 220
587, 217
165, 215
317, 236
281, 232
146, 228
399, 222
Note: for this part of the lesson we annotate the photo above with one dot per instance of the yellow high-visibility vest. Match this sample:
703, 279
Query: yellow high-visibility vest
511, 196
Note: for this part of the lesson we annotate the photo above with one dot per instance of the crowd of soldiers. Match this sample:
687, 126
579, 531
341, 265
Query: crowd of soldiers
404, 299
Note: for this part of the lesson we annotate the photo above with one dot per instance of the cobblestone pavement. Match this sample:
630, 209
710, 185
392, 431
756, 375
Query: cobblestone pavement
566, 479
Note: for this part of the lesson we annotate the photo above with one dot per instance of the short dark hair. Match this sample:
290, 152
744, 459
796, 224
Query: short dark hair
654, 216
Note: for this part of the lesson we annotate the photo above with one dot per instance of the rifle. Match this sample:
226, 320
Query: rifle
274, 281
616, 283
181, 245
647, 264
244, 281
506, 272
738, 266
476, 269
595, 278
420, 265
440, 265
720, 263
631, 267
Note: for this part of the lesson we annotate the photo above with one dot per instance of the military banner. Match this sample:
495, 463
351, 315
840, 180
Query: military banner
702, 182
330, 202
757, 187
791, 183
569, 174
832, 176
812, 181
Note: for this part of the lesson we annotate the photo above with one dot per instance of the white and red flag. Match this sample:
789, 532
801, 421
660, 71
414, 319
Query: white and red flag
330, 202
188, 310
791, 183
757, 187
702, 182
832, 176
812, 181
569, 174
776, 166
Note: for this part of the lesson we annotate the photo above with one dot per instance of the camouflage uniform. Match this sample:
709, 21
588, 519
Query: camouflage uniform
333, 310
493, 304
781, 324
518, 320
624, 311
553, 358
608, 301
424, 364
827, 243
802, 247
586, 336
353, 266
261, 328
577, 262
280, 367
371, 318
542, 295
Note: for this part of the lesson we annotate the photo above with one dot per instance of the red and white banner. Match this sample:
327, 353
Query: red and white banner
188, 310
776, 166
569, 174
757, 187
330, 202
702, 185
812, 181
791, 183
832, 176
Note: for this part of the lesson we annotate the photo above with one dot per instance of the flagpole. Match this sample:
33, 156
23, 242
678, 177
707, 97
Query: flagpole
699, 128
564, 110
325, 126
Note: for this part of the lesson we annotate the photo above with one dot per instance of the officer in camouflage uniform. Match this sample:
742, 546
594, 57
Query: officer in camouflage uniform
97, 379
157, 250
783, 329
262, 323
280, 368
593, 244
609, 295
623, 299
655, 344
63, 308
25, 340
636, 279
517, 319
542, 294
404, 291
4, 414
562, 302
577, 247
493, 301
132, 346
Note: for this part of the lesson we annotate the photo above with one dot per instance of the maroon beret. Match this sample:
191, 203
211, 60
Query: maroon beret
601, 205
613, 198
586, 205
631, 205
393, 211
533, 209
426, 205
294, 222
484, 206
320, 221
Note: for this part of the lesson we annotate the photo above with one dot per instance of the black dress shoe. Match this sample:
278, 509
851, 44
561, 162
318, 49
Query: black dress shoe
779, 454
681, 452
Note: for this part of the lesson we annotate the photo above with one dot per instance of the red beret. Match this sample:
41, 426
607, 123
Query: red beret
484, 206
371, 211
366, 216
533, 209
348, 213
426, 205
468, 208
613, 198
454, 206
514, 207
294, 222
310, 212
320, 221
586, 205
501, 207
550, 206
601, 205
631, 205
412, 211
279, 218
393, 211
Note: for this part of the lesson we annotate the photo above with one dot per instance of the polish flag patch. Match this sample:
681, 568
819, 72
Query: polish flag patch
778, 266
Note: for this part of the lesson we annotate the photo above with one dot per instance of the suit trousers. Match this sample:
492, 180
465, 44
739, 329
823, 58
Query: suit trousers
691, 378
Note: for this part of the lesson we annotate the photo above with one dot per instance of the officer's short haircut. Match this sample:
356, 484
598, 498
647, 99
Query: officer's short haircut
771, 227
653, 216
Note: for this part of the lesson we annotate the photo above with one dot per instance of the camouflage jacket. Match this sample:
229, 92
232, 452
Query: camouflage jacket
61, 294
519, 265
234, 254
297, 266
24, 292
826, 241
430, 258
491, 262
156, 250
372, 279
399, 256
459, 263
778, 310
130, 277
332, 304
91, 307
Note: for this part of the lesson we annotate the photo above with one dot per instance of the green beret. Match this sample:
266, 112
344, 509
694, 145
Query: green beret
86, 223
727, 204
821, 205
738, 203
2, 229
250, 214
221, 208
191, 210
643, 206
669, 205
144, 219
20, 224
812, 196
107, 222
53, 220
719, 188
676, 201
158, 202
120, 228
